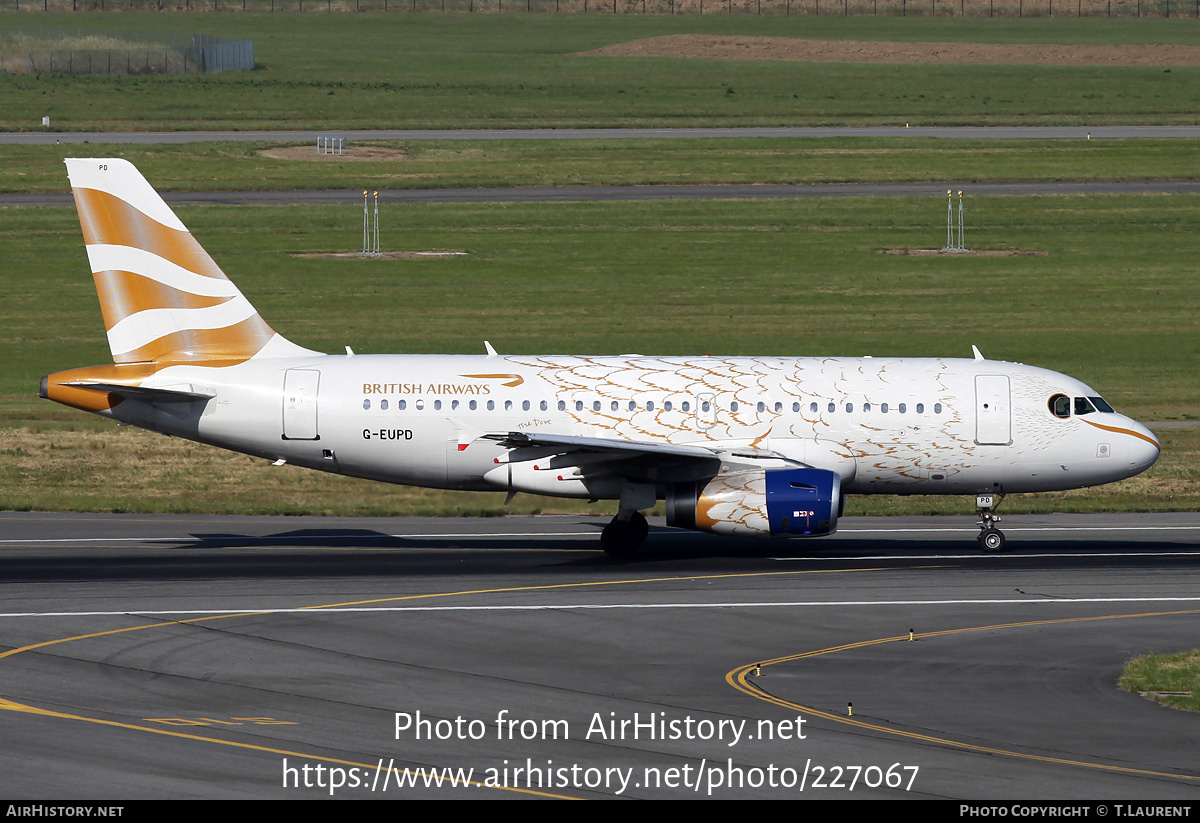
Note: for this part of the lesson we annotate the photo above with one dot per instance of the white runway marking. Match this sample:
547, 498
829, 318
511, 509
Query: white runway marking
290, 539
977, 556
317, 610
592, 533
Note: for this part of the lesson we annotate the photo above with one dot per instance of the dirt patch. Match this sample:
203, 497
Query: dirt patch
722, 47
387, 255
353, 154
967, 253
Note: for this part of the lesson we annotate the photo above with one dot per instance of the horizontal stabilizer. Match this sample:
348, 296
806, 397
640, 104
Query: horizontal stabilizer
150, 395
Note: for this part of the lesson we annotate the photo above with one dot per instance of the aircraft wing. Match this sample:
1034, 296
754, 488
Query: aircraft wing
640, 461
565, 443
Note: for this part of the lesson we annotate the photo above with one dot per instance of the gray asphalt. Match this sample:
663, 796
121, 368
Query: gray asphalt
947, 132
539, 194
208, 651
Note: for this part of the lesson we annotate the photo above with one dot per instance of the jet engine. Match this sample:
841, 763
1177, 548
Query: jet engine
770, 503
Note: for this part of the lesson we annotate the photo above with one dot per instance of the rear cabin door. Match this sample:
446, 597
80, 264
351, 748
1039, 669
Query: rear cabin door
993, 411
300, 404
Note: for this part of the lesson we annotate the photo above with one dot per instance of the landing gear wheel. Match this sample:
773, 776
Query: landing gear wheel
641, 527
621, 538
991, 540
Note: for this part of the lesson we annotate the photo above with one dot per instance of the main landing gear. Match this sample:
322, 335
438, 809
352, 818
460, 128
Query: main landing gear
991, 539
622, 538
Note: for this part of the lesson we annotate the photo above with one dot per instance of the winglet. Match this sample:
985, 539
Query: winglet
490, 351
978, 356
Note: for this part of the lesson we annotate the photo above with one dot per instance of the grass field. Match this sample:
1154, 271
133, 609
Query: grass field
1170, 679
1112, 302
434, 70
468, 163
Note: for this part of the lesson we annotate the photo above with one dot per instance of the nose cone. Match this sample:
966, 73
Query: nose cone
1143, 447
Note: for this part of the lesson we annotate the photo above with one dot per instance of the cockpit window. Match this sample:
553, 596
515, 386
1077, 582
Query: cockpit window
1083, 406
1100, 405
1060, 406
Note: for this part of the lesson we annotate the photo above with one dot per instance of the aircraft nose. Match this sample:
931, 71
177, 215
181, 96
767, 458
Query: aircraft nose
1143, 448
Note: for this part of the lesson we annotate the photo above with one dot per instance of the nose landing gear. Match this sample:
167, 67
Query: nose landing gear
991, 539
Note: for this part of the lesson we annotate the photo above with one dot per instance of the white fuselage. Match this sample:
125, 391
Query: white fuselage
885, 425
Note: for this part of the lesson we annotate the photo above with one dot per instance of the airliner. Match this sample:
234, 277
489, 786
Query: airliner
754, 446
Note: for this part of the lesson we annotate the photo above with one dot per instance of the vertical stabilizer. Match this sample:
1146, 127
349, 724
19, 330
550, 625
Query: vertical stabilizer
163, 298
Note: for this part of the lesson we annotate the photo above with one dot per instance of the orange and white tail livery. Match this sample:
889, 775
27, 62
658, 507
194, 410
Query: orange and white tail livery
756, 446
163, 298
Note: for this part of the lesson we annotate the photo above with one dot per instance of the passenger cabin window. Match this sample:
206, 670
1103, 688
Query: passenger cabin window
866, 407
367, 404
543, 405
437, 404
685, 406
813, 407
667, 405
920, 408
420, 405
508, 405
733, 406
902, 408
849, 408
383, 405
883, 407
1060, 406
832, 407
474, 404
402, 405
937, 408
524, 405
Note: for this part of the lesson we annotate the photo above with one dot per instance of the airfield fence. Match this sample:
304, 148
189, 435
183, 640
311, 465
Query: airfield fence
879, 8
36, 50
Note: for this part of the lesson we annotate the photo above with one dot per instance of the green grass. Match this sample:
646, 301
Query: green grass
450, 164
1112, 302
1155, 674
451, 70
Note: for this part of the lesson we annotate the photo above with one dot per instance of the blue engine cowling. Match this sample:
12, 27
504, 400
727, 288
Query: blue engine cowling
774, 502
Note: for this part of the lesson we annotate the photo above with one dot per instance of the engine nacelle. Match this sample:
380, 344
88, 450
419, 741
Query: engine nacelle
770, 503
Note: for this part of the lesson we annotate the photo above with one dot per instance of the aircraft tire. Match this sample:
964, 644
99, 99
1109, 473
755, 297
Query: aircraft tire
641, 527
621, 539
991, 540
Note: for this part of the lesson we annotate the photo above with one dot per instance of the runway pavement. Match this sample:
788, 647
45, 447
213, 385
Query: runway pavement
194, 656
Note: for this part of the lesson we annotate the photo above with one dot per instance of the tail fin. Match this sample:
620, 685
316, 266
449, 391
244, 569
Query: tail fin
163, 298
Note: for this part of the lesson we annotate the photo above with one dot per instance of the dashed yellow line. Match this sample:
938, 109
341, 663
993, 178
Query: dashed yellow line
738, 679
18, 707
